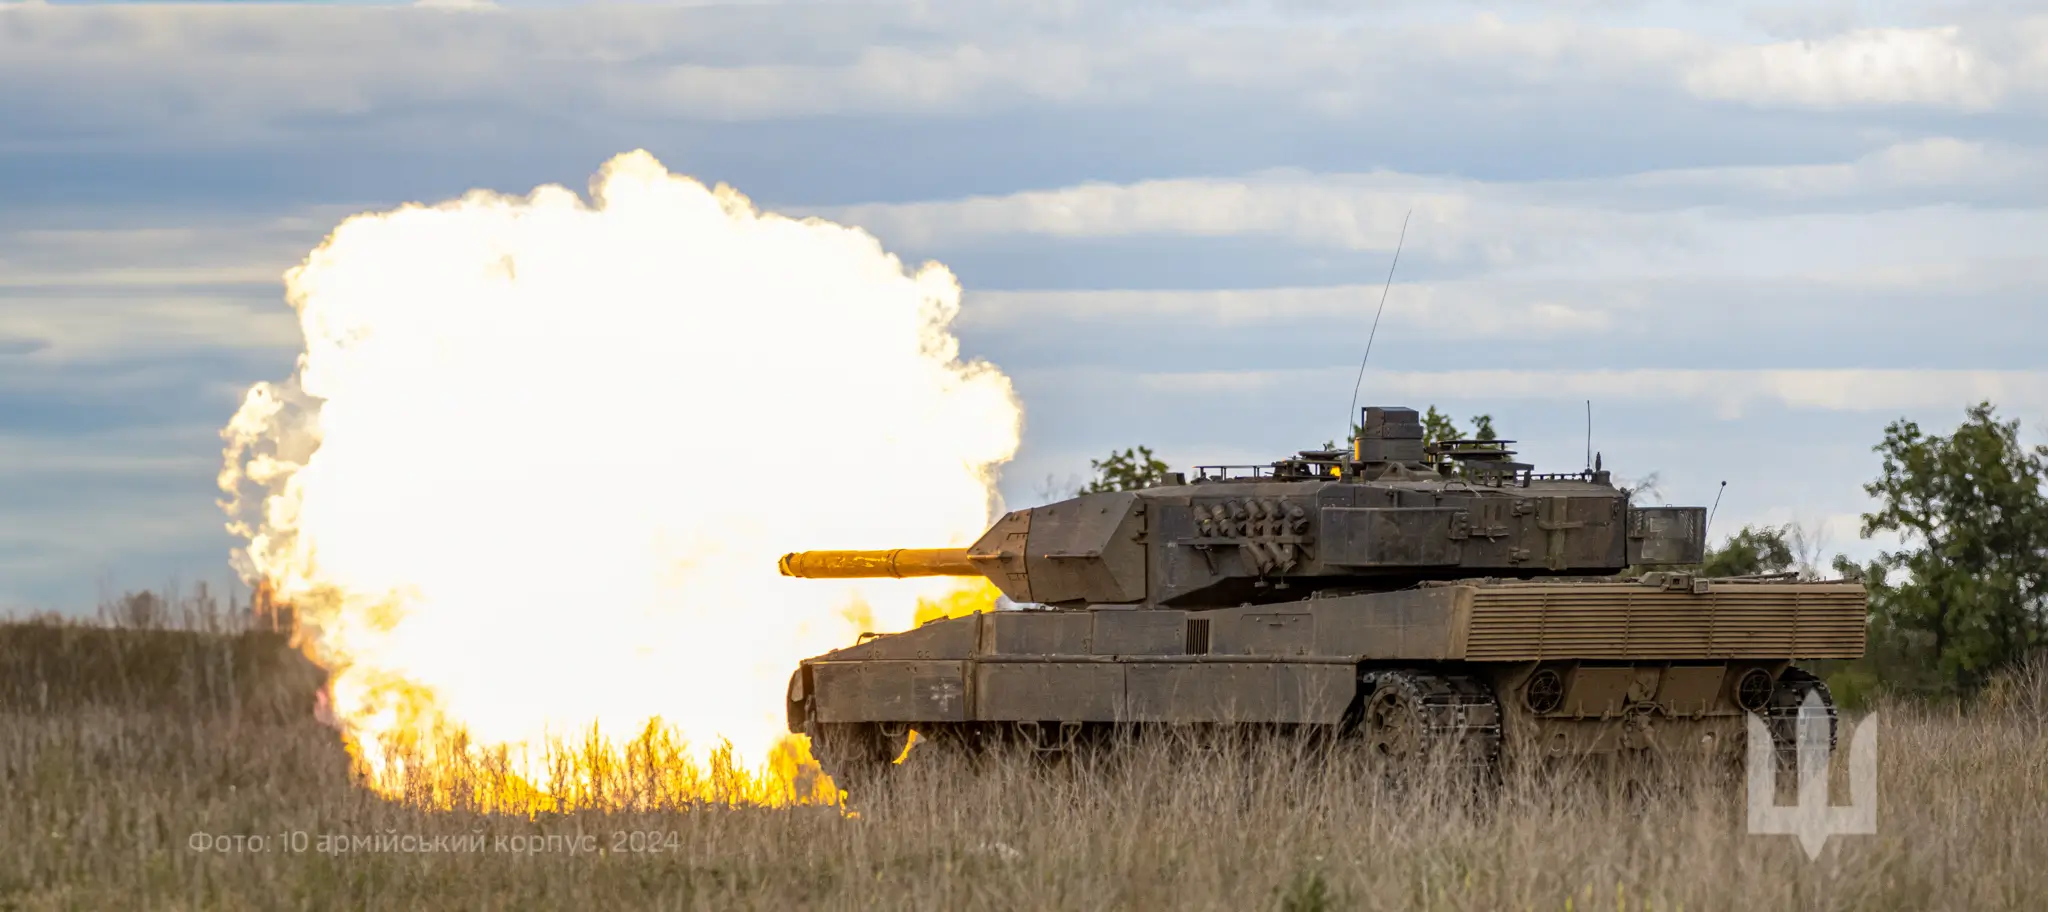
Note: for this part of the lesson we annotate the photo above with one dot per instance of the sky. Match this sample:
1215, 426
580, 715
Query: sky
1751, 234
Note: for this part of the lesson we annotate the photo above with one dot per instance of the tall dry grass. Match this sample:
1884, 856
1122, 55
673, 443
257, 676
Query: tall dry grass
103, 799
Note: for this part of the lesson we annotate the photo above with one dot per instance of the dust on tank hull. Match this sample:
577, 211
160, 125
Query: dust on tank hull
1430, 600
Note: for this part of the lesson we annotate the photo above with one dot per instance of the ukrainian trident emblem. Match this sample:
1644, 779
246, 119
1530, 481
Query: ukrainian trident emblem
1812, 818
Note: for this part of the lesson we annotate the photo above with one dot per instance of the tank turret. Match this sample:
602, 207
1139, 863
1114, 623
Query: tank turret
1389, 513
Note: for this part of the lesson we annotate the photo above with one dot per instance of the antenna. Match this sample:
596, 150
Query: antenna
1589, 435
1352, 412
1716, 509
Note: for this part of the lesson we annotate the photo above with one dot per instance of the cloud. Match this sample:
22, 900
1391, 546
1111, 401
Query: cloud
1934, 67
1463, 310
1452, 219
113, 247
178, 453
159, 284
212, 76
1729, 392
72, 327
1920, 169
1892, 209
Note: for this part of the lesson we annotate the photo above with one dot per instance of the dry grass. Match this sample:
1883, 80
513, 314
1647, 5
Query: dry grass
103, 796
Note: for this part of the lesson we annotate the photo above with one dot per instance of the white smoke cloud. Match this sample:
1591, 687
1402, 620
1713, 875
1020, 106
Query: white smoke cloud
547, 451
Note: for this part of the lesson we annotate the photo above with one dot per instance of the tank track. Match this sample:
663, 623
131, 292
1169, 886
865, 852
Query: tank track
854, 754
1459, 713
1781, 715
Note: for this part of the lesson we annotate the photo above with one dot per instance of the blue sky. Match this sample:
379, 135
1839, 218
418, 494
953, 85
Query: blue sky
1752, 234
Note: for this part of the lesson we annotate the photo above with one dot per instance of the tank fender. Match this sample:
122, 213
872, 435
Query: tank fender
796, 701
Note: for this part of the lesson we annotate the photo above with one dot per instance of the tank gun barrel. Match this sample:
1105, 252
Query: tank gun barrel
896, 562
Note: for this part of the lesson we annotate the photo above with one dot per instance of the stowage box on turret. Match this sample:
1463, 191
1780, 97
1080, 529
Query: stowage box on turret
1427, 599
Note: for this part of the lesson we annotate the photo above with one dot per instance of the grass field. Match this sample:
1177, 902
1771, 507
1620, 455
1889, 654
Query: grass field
178, 769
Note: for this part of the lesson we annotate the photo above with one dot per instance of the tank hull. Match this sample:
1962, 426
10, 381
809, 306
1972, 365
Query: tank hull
1510, 670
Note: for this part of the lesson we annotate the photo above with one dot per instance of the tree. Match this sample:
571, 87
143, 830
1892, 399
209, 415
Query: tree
1969, 591
1129, 470
1438, 427
1482, 428
1754, 550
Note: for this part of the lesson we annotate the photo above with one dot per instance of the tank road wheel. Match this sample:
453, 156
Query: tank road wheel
855, 754
1393, 721
1413, 719
1788, 704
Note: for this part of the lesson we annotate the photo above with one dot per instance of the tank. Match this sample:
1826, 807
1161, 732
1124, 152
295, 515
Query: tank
1439, 600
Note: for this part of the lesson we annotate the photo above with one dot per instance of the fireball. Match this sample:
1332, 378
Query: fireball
528, 483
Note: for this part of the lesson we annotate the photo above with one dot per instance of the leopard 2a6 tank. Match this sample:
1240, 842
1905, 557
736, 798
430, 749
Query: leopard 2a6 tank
1427, 600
